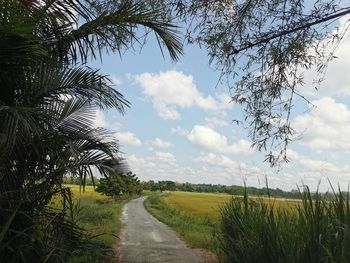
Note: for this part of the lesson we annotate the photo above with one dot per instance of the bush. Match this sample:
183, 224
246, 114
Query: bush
317, 230
119, 184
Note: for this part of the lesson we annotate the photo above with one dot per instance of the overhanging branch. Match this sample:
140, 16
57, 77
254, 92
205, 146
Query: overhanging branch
337, 14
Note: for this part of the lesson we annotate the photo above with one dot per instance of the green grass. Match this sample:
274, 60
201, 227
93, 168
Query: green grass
99, 216
197, 231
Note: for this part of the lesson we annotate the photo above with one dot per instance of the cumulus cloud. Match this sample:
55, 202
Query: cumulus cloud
337, 79
179, 131
128, 138
326, 127
311, 165
166, 157
115, 80
166, 112
216, 122
211, 140
157, 167
217, 160
139, 162
159, 143
100, 120
218, 168
172, 90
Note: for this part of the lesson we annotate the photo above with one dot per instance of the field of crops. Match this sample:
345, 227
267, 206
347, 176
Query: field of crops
208, 204
87, 193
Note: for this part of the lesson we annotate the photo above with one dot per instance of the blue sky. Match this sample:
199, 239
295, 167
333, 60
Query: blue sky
180, 128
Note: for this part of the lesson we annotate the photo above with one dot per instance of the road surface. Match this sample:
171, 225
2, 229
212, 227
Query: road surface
145, 239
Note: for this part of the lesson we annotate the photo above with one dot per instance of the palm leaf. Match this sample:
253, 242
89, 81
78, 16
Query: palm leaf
104, 30
50, 82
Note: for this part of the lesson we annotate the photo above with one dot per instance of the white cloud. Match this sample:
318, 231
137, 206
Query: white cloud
180, 131
211, 140
217, 160
157, 167
159, 143
138, 162
171, 90
100, 120
317, 165
326, 127
128, 138
337, 78
311, 165
166, 112
166, 157
216, 122
115, 80
220, 169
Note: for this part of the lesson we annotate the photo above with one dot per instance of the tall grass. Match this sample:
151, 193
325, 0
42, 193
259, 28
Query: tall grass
316, 230
99, 218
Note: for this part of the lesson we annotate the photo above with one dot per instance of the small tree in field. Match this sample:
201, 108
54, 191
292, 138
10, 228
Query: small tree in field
119, 184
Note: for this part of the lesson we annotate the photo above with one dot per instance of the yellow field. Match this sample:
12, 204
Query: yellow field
87, 196
89, 192
208, 204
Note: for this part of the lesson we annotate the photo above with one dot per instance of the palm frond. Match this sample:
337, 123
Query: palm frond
112, 31
49, 82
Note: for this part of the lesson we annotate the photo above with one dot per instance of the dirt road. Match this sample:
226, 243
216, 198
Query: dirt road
145, 239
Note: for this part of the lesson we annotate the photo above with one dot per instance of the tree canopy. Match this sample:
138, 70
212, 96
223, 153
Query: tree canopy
47, 110
262, 49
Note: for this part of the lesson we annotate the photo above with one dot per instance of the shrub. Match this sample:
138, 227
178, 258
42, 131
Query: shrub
119, 184
317, 230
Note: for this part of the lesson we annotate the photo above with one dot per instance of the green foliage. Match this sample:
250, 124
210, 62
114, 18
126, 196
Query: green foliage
100, 219
316, 231
91, 181
101, 222
119, 184
47, 107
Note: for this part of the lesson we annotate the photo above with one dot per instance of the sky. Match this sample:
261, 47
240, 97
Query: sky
179, 126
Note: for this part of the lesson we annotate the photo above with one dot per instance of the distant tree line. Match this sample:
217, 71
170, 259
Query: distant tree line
79, 181
218, 188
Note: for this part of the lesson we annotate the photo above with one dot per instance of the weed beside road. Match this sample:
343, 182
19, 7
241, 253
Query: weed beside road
99, 216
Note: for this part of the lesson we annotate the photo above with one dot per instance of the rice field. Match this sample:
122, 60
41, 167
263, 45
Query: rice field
87, 193
208, 204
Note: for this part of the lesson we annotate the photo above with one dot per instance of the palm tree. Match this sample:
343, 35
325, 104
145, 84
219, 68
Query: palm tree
47, 106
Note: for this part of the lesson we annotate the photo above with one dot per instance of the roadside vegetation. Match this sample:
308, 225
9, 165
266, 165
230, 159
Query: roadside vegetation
318, 230
99, 217
253, 229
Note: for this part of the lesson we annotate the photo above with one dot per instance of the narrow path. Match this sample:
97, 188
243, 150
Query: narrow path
145, 239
